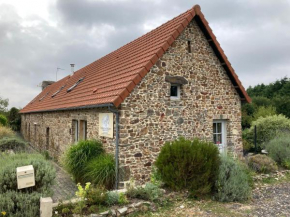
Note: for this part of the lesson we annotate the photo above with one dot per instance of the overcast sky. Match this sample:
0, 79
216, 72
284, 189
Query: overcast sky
38, 36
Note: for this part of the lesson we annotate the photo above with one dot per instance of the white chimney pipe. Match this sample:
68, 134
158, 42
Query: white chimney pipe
72, 68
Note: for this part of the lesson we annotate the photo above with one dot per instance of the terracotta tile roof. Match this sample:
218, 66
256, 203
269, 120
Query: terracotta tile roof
110, 79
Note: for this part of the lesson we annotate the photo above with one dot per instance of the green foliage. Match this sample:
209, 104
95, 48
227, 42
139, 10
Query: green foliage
43, 170
267, 129
97, 195
3, 120
19, 204
264, 112
150, 192
279, 149
77, 156
14, 119
233, 181
186, 164
14, 143
262, 164
82, 195
155, 177
3, 104
101, 171
6, 132
112, 198
123, 199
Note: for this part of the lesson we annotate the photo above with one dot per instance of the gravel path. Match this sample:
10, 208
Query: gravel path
273, 200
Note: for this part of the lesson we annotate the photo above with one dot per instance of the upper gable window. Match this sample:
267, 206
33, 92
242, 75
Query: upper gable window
175, 92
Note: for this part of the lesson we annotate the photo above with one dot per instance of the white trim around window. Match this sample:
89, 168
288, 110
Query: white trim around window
220, 134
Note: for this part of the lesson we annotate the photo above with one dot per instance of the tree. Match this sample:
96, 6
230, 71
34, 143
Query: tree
14, 119
3, 105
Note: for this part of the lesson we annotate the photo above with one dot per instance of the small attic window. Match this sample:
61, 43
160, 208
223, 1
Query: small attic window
43, 96
175, 92
53, 95
189, 46
76, 84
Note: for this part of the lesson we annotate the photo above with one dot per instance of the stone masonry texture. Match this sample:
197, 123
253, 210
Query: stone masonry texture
148, 117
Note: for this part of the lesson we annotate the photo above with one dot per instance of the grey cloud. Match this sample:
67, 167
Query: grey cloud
254, 34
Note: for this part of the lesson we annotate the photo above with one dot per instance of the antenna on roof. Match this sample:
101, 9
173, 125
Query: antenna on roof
57, 69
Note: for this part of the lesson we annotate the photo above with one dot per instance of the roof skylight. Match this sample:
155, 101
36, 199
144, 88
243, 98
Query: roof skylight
43, 96
76, 84
53, 95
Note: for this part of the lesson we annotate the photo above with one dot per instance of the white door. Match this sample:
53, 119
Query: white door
219, 135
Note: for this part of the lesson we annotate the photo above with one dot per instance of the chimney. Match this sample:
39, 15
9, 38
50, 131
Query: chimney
72, 68
46, 84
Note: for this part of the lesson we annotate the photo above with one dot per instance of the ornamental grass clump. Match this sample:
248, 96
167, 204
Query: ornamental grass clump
6, 132
101, 171
77, 157
189, 164
233, 183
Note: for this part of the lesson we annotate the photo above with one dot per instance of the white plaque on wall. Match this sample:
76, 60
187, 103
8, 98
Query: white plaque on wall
106, 125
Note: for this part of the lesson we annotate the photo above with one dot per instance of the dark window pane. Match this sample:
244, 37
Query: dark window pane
214, 138
219, 127
214, 127
174, 91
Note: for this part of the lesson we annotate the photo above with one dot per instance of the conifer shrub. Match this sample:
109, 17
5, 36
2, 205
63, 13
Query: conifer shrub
77, 156
233, 183
101, 171
43, 170
262, 164
189, 164
279, 149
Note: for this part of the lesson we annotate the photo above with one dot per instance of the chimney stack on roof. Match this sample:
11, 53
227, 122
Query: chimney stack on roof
72, 68
46, 84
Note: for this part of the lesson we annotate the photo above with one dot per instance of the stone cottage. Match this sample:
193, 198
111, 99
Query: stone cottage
173, 81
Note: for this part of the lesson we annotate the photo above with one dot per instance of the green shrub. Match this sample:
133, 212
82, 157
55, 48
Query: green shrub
150, 192
186, 164
77, 156
112, 198
43, 170
97, 195
267, 129
101, 171
122, 199
233, 181
279, 149
262, 164
264, 112
14, 143
6, 132
3, 120
18, 204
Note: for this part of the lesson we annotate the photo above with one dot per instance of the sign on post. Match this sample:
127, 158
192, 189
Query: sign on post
25, 176
106, 125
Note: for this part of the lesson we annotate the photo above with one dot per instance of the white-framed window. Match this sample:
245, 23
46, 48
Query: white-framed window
175, 92
220, 134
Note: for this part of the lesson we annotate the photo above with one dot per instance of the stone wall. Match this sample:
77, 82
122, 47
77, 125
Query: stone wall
60, 129
149, 117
